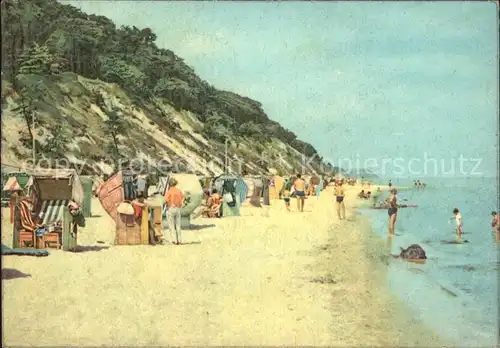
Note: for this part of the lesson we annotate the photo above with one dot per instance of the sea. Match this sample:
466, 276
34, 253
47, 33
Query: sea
456, 292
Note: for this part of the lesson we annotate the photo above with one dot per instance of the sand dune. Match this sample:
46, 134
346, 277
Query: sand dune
268, 277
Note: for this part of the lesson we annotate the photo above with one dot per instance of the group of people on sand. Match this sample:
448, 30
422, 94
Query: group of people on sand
212, 207
351, 181
297, 187
365, 195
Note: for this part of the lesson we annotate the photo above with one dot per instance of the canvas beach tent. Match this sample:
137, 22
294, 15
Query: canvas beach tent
88, 184
278, 185
265, 191
253, 195
256, 190
233, 190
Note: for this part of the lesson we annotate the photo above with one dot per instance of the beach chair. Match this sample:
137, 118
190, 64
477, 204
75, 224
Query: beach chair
27, 225
51, 215
50, 193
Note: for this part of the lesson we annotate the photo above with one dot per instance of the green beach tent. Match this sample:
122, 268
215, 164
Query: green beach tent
87, 183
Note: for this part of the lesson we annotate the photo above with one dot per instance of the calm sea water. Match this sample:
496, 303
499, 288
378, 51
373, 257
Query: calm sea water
456, 291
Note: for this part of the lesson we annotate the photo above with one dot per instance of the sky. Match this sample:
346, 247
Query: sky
414, 84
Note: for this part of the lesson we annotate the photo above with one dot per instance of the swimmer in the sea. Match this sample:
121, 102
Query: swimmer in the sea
392, 211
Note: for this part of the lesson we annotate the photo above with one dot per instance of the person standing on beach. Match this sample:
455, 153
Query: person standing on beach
174, 198
300, 192
458, 219
392, 211
142, 186
339, 197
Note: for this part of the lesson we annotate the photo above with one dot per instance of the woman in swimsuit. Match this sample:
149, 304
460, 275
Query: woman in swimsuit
339, 193
392, 211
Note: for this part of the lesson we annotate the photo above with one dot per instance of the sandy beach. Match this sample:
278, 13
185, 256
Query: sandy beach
269, 277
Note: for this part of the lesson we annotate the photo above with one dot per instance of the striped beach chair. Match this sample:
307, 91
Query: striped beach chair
51, 215
52, 211
28, 225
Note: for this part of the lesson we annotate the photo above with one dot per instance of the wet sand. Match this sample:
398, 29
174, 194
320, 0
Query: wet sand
269, 277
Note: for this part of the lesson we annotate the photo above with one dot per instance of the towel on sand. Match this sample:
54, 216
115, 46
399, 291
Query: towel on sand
23, 251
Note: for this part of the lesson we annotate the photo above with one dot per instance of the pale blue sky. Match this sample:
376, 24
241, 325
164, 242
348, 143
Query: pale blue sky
357, 80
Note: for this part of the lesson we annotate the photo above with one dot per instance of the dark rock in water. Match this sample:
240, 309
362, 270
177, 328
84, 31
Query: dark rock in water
413, 252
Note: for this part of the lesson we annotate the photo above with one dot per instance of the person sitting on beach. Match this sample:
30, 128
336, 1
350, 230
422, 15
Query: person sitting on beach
361, 194
458, 219
390, 183
368, 195
214, 202
392, 211
339, 197
378, 189
300, 192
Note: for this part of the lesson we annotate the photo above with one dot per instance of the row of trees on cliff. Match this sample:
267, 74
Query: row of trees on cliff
46, 37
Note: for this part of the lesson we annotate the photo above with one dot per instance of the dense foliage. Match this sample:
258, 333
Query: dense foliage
44, 37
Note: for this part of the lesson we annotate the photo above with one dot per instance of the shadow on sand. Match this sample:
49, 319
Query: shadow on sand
10, 273
185, 243
199, 227
85, 248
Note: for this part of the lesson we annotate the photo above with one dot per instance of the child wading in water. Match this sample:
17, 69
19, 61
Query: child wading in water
458, 218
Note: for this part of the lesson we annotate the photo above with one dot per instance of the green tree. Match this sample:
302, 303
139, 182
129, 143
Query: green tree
29, 94
56, 142
219, 127
35, 60
114, 69
114, 126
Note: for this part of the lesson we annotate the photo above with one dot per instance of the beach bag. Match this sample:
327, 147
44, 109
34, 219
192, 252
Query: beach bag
125, 208
229, 190
228, 197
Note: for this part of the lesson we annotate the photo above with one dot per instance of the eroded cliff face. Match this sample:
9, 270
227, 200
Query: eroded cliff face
71, 115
